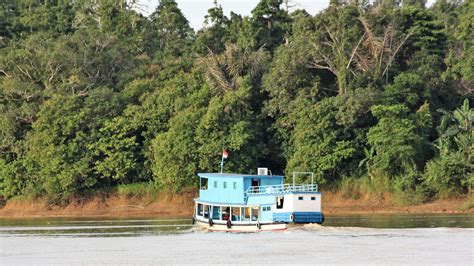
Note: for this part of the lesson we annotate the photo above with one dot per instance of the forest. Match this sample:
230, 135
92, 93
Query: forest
371, 96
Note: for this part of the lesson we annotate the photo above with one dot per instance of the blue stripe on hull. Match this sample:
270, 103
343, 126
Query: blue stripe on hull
299, 217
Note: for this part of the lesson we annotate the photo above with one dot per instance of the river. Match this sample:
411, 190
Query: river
364, 239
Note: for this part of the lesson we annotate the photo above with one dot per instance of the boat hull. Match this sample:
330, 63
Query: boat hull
238, 228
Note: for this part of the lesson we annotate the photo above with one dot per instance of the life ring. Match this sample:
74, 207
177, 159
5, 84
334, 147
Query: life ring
229, 224
211, 222
259, 226
292, 217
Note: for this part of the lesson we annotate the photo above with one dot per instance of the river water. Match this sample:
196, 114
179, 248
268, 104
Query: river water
365, 239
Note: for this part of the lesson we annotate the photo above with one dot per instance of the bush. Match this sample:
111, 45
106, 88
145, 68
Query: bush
449, 175
407, 189
137, 190
8, 187
353, 188
373, 187
404, 192
12, 179
467, 205
378, 185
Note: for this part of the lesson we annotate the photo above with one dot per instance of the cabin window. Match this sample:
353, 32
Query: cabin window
216, 213
300, 198
266, 208
206, 211
235, 185
215, 184
235, 213
199, 209
279, 202
225, 213
225, 184
255, 214
246, 214
313, 198
204, 183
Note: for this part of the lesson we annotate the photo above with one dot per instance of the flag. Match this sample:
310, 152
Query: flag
225, 154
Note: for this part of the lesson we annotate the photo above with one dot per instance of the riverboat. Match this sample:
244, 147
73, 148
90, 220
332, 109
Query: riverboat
251, 203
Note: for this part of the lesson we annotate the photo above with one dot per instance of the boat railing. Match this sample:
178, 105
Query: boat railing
284, 188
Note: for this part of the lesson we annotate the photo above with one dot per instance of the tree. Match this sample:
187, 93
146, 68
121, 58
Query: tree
398, 138
319, 143
25, 17
407, 89
59, 158
225, 72
232, 123
358, 42
456, 130
426, 33
168, 32
215, 34
116, 151
338, 34
451, 172
460, 59
270, 24
289, 71
175, 159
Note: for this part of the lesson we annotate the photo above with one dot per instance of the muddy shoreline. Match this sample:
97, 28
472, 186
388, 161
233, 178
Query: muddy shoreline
181, 205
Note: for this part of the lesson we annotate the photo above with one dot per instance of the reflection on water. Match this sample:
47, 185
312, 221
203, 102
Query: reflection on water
77, 227
96, 227
402, 220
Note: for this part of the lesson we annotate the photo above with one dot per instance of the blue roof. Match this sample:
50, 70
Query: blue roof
231, 175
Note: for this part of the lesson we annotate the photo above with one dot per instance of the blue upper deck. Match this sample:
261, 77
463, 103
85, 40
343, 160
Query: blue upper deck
230, 188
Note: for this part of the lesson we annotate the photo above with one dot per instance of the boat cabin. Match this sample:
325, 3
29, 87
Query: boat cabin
255, 199
231, 188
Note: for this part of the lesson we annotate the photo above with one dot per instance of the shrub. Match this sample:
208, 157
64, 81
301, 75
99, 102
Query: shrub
378, 185
373, 187
353, 188
449, 175
13, 180
408, 189
137, 189
467, 205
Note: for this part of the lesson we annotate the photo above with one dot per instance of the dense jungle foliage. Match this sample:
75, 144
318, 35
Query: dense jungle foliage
372, 96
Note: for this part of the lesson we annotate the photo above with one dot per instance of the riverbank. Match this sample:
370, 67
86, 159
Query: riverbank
181, 205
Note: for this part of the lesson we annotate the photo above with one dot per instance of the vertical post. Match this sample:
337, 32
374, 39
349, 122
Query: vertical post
222, 163
222, 160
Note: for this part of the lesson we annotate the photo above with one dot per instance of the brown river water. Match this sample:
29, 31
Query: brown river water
362, 239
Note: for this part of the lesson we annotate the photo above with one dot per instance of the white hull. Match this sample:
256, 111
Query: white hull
242, 228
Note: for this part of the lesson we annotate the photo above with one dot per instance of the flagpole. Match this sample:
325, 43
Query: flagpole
222, 160
222, 163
